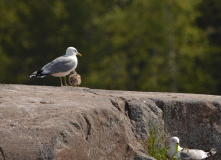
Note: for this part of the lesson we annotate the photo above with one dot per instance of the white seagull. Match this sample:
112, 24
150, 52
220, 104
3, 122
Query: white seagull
185, 154
61, 66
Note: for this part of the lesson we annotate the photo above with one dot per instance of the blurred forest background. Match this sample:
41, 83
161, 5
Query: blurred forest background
141, 45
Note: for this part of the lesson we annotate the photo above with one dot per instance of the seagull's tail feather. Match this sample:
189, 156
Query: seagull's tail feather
38, 74
211, 152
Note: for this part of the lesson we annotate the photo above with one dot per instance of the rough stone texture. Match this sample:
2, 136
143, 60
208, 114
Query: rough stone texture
42, 122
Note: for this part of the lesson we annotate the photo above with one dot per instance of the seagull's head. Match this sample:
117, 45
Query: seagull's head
174, 141
72, 51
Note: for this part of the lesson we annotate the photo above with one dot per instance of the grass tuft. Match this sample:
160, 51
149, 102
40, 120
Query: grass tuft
156, 145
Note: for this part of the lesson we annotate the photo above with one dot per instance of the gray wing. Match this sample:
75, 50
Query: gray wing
191, 154
60, 64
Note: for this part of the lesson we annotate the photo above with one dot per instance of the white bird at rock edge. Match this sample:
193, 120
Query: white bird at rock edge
185, 154
61, 66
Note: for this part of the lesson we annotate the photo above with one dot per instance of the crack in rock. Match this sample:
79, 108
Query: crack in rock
88, 127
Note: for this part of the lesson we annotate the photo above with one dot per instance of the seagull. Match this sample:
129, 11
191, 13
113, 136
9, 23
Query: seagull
186, 154
61, 66
174, 141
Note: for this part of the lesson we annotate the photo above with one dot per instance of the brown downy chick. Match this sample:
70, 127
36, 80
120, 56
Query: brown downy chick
75, 79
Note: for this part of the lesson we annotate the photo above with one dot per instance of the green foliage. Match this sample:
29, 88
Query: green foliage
210, 21
157, 144
141, 45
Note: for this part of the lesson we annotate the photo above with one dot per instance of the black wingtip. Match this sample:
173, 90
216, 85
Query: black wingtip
32, 76
37, 74
212, 152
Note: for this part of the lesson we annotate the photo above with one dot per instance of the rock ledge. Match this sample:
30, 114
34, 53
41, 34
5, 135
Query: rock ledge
43, 122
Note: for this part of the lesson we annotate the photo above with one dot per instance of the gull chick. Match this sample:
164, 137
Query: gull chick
75, 79
185, 154
61, 66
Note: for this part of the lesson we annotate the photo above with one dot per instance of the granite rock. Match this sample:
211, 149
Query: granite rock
43, 122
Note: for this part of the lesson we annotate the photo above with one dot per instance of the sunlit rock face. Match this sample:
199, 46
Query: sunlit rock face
42, 122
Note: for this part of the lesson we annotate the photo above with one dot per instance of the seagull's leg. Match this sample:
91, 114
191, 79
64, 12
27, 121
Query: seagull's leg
61, 81
65, 81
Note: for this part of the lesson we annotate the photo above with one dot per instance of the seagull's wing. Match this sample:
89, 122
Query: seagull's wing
60, 64
192, 154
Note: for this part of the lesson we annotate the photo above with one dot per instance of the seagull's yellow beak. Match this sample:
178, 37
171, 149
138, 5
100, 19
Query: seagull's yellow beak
178, 143
79, 54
